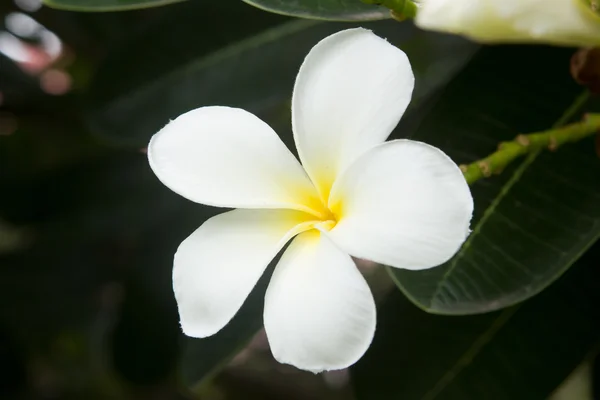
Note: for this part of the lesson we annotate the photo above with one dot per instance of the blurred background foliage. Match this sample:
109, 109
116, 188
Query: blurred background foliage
87, 232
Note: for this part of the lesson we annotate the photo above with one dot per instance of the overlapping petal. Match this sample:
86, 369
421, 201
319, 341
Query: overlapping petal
228, 157
319, 312
350, 93
404, 204
217, 266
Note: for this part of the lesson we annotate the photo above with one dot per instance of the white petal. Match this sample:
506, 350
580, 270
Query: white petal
561, 22
218, 265
350, 93
404, 204
319, 311
228, 157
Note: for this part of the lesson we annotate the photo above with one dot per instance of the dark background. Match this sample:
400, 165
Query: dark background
87, 232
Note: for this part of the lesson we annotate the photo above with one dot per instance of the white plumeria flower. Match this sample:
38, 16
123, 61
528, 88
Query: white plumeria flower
401, 203
559, 22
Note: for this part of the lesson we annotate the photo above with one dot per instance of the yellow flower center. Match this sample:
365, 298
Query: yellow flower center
327, 214
326, 218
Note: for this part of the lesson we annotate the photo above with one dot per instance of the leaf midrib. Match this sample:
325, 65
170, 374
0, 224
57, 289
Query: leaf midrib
466, 358
225, 53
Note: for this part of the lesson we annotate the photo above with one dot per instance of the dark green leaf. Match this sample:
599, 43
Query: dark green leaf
263, 85
334, 10
520, 353
92, 284
535, 219
94, 222
105, 5
148, 54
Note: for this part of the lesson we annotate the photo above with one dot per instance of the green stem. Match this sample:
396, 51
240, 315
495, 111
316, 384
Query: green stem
400, 9
523, 144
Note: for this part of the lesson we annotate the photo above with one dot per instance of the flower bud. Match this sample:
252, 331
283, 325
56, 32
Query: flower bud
557, 22
585, 68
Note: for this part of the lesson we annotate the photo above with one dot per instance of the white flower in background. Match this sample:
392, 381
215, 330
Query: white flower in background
401, 203
559, 22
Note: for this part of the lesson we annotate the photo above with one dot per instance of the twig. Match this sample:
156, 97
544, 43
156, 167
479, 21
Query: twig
523, 144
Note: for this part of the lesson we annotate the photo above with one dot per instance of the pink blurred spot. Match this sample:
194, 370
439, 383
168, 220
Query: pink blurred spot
55, 82
36, 61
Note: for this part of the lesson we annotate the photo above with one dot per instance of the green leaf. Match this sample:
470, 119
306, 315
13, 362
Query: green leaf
536, 218
130, 115
520, 353
101, 232
105, 5
149, 55
109, 214
334, 10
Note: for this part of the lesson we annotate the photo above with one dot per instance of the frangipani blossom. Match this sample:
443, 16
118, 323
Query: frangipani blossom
559, 22
401, 203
